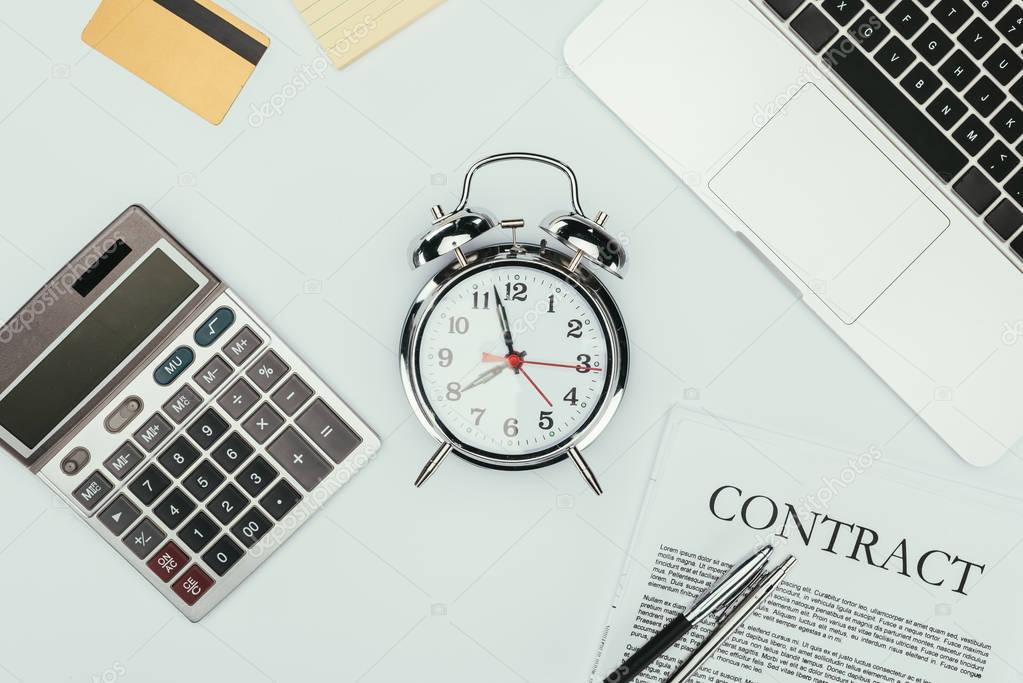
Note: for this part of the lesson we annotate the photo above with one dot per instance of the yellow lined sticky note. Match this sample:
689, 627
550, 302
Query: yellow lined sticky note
348, 29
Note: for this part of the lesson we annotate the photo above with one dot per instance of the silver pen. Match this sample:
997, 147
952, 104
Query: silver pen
732, 621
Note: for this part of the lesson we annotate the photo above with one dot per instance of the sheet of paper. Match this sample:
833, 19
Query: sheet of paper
902, 577
348, 29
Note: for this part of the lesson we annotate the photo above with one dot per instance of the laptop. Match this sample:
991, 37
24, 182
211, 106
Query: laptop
145, 392
871, 151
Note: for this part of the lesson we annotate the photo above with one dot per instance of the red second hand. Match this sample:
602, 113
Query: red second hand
560, 365
538, 389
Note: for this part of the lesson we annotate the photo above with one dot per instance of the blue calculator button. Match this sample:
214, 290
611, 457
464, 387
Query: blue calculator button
175, 363
214, 326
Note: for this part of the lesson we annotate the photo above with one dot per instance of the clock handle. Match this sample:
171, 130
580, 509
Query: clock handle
432, 464
584, 469
521, 156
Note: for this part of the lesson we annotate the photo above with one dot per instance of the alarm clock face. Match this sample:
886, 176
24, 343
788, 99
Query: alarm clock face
514, 360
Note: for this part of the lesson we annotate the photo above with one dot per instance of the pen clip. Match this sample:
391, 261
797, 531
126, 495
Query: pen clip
727, 608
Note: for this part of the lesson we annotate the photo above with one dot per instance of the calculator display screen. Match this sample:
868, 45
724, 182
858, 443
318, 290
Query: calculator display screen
94, 348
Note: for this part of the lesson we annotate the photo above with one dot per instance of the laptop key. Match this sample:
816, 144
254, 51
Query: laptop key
920, 83
869, 31
933, 44
1011, 25
998, 161
977, 38
947, 109
976, 190
881, 5
814, 27
1008, 122
1014, 187
990, 8
895, 57
952, 14
784, 8
985, 96
842, 11
907, 18
973, 135
1004, 64
1005, 219
906, 120
959, 70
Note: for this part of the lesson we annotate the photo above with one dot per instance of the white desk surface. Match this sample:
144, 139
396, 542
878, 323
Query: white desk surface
480, 576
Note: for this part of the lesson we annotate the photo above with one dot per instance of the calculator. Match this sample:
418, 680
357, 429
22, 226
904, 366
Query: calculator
168, 415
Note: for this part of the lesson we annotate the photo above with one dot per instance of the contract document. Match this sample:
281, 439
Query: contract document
902, 577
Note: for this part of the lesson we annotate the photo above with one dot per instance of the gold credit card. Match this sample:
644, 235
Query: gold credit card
348, 29
192, 50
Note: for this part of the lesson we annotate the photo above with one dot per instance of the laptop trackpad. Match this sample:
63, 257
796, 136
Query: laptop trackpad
828, 203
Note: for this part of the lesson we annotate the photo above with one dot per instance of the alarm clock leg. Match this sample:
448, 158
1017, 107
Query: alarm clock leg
584, 469
433, 464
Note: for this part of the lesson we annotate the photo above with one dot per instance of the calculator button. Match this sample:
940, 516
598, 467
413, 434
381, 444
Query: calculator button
280, 500
124, 460
207, 429
182, 404
243, 345
153, 432
256, 477
232, 452
95, 488
214, 326
251, 527
262, 424
299, 459
172, 366
173, 509
212, 375
168, 562
204, 480
179, 456
227, 504
148, 486
328, 431
268, 371
198, 532
239, 399
292, 395
119, 515
192, 585
144, 538
224, 554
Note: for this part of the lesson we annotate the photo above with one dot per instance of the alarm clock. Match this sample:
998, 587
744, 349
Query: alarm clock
515, 356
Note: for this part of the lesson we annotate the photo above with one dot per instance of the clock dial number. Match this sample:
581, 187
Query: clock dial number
478, 412
481, 300
550, 304
584, 363
546, 420
571, 397
454, 391
515, 291
459, 325
575, 329
446, 358
511, 427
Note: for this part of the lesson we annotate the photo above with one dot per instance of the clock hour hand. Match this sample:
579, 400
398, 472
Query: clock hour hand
484, 378
502, 316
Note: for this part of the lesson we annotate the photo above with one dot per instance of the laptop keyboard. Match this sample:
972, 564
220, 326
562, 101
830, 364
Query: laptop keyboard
945, 76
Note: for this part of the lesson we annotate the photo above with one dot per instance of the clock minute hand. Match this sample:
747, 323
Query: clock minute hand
502, 316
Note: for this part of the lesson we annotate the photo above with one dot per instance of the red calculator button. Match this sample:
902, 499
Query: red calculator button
168, 562
193, 585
